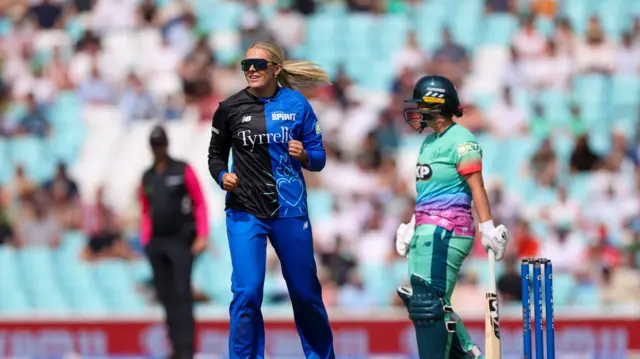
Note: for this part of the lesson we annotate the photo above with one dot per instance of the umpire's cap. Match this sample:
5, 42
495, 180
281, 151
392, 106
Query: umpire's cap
158, 136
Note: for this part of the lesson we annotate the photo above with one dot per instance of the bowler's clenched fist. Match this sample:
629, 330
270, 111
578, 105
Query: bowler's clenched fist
297, 151
229, 181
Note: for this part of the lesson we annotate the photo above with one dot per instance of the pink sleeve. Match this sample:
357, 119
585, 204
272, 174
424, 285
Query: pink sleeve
145, 222
199, 206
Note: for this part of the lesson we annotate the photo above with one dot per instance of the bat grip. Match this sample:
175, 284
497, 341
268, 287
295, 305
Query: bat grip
492, 272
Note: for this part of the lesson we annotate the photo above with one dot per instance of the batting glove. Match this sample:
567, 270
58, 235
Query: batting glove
494, 238
403, 236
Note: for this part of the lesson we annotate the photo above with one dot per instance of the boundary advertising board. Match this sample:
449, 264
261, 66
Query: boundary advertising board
373, 336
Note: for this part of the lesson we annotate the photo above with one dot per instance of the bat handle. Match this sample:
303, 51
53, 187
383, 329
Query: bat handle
492, 272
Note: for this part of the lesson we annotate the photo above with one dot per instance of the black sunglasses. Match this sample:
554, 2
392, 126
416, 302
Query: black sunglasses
258, 64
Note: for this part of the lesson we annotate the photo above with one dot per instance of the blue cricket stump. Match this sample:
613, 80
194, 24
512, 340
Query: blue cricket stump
538, 283
537, 307
526, 308
548, 306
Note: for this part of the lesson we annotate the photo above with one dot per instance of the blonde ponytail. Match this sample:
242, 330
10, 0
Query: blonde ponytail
295, 74
301, 74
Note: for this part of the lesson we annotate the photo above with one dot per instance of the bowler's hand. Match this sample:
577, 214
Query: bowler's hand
229, 181
199, 246
297, 151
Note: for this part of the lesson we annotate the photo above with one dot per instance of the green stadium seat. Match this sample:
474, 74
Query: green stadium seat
220, 285
218, 16
320, 204
428, 32
271, 286
10, 281
378, 281
126, 302
64, 145
625, 91
116, 285
202, 271
27, 151
140, 270
600, 141
555, 105
579, 187
268, 11
35, 264
523, 98
6, 168
218, 233
634, 8
50, 302
591, 89
324, 41
400, 272
6, 26
545, 26
540, 230
563, 288
465, 25
88, 303
578, 12
360, 35
72, 244
480, 266
392, 36
585, 296
563, 147
333, 8
75, 276
14, 302
74, 28
516, 152
626, 123
499, 29
491, 164
411, 141
614, 17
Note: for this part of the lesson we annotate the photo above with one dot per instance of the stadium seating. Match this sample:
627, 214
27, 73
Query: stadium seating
102, 148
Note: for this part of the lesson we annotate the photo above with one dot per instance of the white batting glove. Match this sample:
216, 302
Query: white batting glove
494, 238
404, 235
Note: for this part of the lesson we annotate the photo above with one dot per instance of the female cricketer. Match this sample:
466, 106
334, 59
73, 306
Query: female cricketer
440, 235
274, 134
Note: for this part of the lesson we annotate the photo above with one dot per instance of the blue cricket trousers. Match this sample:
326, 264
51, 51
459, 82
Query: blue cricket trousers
292, 240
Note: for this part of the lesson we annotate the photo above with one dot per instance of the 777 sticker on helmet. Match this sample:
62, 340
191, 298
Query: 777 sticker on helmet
433, 97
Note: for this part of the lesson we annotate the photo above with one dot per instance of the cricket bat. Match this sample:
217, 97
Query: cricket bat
492, 316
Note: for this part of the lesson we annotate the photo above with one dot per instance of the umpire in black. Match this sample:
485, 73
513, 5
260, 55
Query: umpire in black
174, 230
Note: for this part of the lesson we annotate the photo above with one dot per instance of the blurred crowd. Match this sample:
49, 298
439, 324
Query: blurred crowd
596, 241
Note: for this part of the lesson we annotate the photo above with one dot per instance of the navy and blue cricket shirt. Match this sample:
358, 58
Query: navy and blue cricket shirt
271, 184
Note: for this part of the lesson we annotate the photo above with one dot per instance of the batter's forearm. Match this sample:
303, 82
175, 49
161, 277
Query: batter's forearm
481, 202
479, 196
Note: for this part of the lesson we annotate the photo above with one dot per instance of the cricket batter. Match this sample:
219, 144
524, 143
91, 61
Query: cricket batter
440, 234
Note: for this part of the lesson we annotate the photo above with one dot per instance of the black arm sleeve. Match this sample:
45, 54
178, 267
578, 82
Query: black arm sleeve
220, 144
